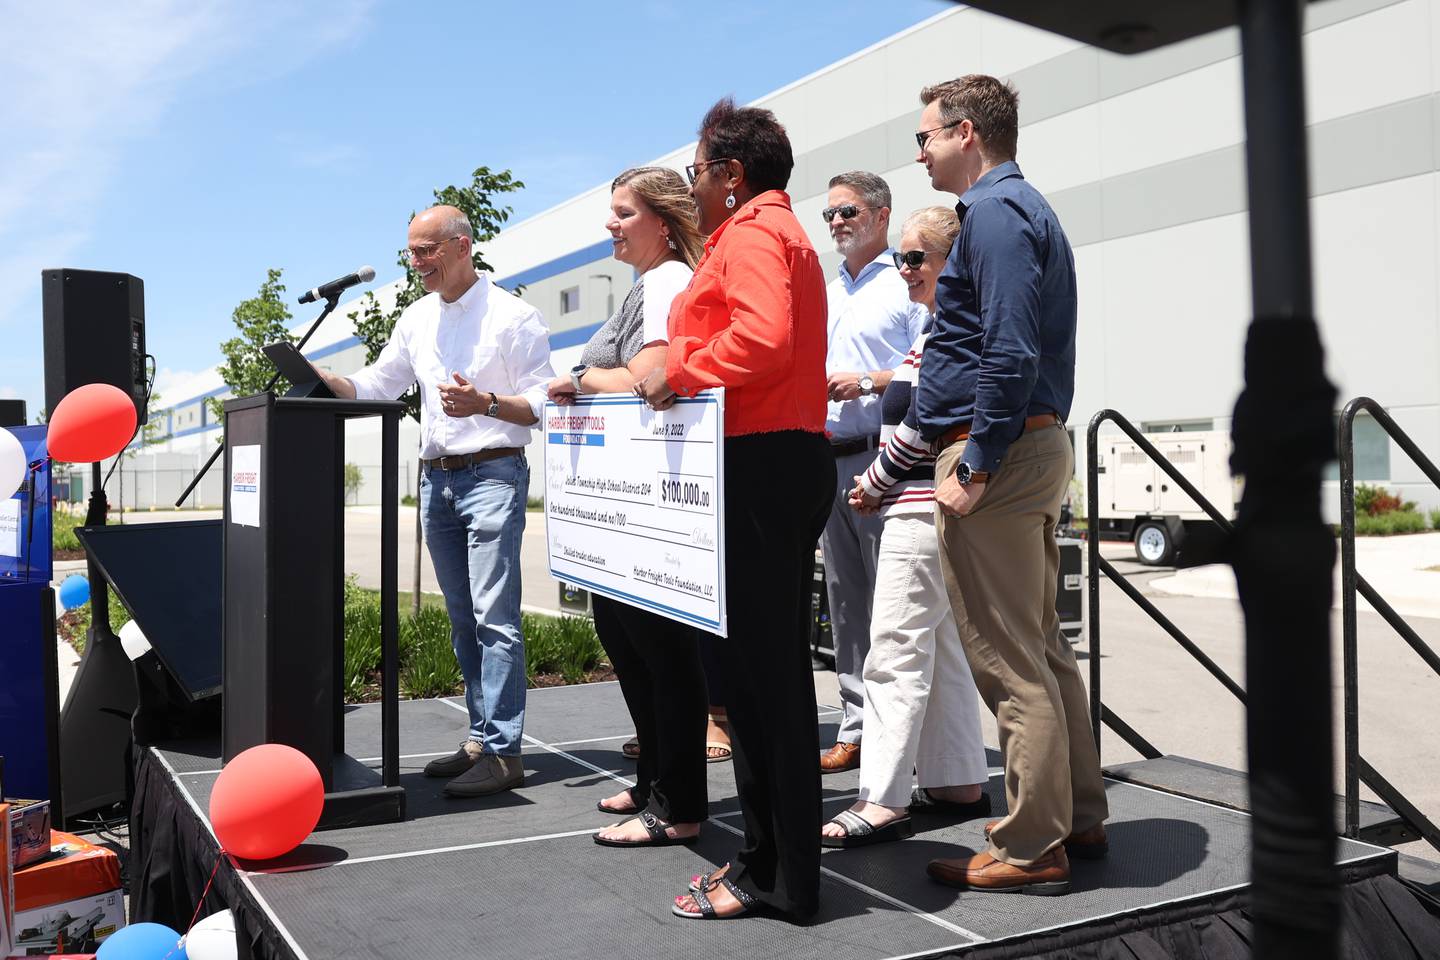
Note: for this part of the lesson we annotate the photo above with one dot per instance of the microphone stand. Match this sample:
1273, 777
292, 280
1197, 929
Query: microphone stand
331, 302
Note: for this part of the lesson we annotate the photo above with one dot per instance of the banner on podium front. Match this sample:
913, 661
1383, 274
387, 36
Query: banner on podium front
635, 504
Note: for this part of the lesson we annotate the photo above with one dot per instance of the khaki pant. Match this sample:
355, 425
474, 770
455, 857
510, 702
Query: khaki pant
1000, 564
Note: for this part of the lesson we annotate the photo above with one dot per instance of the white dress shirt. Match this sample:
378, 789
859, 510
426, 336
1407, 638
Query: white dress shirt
872, 324
494, 339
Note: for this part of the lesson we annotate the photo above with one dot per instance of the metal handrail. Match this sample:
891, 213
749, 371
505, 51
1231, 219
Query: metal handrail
1099, 713
1356, 769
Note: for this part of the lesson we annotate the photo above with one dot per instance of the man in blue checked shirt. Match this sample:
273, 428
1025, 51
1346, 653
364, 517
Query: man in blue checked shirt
994, 392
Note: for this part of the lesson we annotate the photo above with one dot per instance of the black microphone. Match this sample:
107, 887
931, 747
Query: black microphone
327, 290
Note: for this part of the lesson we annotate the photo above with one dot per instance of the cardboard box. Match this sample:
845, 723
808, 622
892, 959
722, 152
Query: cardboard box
7, 886
69, 902
29, 831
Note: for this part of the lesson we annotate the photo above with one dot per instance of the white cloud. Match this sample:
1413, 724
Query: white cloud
85, 80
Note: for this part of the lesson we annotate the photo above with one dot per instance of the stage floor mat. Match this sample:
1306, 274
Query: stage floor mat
518, 874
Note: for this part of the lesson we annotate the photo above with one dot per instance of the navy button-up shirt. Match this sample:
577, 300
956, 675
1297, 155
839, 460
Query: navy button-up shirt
1003, 344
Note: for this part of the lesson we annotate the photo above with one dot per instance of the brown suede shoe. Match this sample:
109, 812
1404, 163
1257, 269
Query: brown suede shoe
1047, 877
1086, 845
841, 757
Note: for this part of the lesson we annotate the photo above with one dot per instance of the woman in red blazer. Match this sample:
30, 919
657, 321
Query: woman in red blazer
753, 321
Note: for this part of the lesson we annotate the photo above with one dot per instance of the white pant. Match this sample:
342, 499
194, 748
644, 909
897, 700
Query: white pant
922, 712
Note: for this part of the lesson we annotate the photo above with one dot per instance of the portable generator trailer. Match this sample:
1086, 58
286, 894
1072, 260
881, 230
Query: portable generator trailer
1139, 502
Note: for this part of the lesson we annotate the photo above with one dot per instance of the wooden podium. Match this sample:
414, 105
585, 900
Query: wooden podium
284, 625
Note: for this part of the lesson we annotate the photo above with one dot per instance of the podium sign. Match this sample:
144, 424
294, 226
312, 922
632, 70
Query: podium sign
283, 623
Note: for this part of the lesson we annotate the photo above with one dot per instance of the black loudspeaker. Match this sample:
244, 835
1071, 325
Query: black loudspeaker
12, 413
94, 333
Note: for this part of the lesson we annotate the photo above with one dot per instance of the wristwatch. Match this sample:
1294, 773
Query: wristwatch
966, 476
576, 372
494, 409
867, 385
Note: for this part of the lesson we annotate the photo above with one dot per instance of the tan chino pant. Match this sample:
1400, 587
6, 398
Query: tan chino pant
1001, 563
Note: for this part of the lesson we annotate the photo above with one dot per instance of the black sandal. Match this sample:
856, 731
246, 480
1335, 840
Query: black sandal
655, 827
859, 832
707, 909
923, 801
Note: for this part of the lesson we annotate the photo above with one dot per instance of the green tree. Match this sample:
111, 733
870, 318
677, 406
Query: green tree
373, 325
262, 319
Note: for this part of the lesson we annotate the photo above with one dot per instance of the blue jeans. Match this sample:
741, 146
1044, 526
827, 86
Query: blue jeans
474, 519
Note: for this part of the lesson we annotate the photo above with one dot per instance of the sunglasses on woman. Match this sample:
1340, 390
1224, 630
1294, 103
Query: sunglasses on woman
847, 211
910, 258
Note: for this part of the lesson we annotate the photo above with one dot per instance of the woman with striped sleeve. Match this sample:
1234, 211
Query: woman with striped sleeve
922, 712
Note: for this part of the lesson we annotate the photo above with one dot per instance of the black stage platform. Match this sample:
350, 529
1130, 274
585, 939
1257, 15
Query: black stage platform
519, 875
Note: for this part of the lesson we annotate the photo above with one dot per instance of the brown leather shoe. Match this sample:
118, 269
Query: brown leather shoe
1085, 845
841, 757
1047, 877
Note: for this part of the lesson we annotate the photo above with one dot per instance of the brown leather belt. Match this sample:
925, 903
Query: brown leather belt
962, 431
458, 461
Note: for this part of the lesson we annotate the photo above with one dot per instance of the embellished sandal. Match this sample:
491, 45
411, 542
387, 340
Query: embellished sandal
705, 879
860, 832
630, 749
707, 909
656, 828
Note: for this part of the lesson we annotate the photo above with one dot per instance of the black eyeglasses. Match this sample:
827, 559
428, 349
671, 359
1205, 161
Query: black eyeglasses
847, 211
923, 137
910, 258
692, 171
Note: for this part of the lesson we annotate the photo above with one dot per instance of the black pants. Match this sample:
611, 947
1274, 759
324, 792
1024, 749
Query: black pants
657, 661
778, 488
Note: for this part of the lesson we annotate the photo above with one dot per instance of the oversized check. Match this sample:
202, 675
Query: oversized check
635, 502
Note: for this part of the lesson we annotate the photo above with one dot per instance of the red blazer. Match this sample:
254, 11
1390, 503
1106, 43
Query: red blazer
753, 321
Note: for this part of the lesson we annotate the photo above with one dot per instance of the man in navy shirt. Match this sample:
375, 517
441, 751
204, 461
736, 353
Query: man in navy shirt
993, 395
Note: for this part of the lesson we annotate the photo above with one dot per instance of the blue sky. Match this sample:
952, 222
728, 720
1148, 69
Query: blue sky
196, 144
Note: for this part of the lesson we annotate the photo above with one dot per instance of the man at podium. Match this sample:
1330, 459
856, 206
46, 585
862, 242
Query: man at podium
482, 359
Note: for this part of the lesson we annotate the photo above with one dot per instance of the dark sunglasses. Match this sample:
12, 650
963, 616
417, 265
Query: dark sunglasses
847, 211
922, 137
910, 258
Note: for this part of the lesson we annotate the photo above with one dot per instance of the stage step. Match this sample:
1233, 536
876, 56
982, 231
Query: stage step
1230, 788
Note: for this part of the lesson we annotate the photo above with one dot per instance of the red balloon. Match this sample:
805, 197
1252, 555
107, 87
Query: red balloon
266, 801
92, 423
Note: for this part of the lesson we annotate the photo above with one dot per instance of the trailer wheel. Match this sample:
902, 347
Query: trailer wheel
1153, 544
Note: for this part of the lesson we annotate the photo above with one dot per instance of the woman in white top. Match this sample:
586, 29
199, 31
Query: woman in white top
656, 660
922, 711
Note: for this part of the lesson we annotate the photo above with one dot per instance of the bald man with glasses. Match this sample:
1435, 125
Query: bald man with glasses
872, 324
481, 357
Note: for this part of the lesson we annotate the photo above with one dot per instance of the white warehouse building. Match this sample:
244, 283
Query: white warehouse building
1143, 159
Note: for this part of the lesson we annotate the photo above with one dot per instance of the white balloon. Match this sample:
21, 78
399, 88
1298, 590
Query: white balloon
12, 464
212, 938
132, 641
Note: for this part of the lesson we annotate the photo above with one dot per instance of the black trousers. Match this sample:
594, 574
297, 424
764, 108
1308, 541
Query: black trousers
657, 661
778, 488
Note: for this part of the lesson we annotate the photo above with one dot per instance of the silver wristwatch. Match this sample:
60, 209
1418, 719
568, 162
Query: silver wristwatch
867, 385
494, 409
576, 372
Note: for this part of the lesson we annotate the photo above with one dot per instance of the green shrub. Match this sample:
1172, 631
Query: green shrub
1435, 519
362, 639
1389, 524
564, 645
74, 625
63, 526
408, 500
428, 664
1376, 501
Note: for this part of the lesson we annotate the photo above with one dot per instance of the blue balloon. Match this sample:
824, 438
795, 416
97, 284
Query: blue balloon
74, 591
142, 941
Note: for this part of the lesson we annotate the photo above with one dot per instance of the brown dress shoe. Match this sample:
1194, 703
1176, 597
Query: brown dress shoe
842, 756
1084, 845
1047, 877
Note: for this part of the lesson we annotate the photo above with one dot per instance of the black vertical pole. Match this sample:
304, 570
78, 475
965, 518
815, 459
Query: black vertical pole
389, 601
1350, 651
1282, 552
